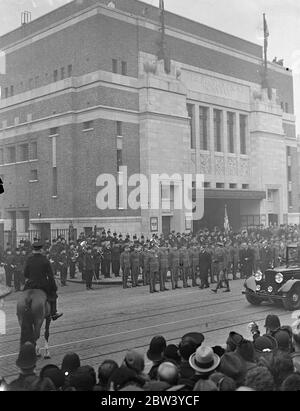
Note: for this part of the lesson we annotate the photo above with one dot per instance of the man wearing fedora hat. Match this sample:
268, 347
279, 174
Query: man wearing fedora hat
39, 275
204, 361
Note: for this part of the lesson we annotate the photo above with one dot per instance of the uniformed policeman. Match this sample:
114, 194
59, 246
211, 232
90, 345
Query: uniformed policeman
39, 275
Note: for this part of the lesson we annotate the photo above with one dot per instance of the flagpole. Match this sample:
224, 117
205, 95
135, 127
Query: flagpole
265, 47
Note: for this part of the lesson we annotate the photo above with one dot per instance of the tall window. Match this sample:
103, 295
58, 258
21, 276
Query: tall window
11, 154
217, 130
119, 128
203, 116
190, 110
243, 133
290, 199
53, 131
6, 92
55, 75
24, 152
286, 107
62, 73
70, 69
11, 90
54, 181
124, 68
33, 151
115, 66
33, 175
230, 132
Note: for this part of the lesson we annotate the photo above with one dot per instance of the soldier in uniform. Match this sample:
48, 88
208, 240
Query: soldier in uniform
63, 266
145, 264
194, 259
115, 259
97, 260
105, 266
18, 270
184, 265
220, 261
89, 267
54, 252
153, 264
125, 265
9, 267
163, 257
235, 259
205, 267
266, 256
256, 256
135, 265
246, 261
73, 256
38, 274
174, 264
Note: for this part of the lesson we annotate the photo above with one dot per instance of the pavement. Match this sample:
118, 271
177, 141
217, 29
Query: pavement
109, 321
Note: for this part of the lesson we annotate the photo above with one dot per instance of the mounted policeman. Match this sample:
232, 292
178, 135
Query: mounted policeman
39, 276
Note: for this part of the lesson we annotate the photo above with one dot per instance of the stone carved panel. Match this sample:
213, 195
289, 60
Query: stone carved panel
205, 166
213, 86
244, 170
219, 166
231, 166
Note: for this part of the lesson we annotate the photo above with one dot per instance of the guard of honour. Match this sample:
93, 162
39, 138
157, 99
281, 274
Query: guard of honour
195, 260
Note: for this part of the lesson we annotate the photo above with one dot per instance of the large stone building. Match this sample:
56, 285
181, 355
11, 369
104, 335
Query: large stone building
86, 92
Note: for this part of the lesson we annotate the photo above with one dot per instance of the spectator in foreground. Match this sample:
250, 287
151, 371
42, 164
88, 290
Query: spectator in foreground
28, 380
291, 383
105, 372
204, 361
155, 354
296, 345
260, 379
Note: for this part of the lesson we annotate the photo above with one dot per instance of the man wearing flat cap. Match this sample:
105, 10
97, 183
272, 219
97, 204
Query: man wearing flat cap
39, 275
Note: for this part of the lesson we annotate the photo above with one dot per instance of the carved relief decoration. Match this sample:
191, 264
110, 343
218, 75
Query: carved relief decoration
220, 166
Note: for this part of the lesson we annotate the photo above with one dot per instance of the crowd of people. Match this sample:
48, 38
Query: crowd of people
196, 259
264, 362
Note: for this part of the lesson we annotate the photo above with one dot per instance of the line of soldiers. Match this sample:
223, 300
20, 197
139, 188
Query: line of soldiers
209, 257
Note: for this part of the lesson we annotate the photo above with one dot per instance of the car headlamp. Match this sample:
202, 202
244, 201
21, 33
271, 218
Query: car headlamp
279, 278
258, 276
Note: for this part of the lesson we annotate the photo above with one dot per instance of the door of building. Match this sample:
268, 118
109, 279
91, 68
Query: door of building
273, 219
45, 232
166, 225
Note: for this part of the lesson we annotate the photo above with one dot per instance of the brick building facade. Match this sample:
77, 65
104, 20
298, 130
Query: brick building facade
84, 94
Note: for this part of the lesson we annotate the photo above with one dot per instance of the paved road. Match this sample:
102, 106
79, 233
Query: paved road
106, 322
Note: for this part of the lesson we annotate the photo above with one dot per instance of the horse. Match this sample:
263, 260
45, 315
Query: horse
32, 309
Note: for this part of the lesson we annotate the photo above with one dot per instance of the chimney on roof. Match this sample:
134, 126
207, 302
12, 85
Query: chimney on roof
25, 17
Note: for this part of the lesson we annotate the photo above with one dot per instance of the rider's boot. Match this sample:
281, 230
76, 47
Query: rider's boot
54, 314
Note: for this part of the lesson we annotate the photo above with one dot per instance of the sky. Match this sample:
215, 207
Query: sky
242, 18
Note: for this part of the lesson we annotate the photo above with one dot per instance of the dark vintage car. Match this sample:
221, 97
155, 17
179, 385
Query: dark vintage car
279, 285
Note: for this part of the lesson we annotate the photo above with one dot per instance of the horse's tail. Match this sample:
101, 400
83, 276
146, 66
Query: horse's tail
27, 324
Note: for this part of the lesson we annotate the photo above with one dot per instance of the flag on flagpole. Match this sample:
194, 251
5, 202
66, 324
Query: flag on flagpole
226, 221
266, 32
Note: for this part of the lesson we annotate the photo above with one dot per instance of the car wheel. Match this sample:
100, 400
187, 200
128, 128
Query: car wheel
292, 300
253, 300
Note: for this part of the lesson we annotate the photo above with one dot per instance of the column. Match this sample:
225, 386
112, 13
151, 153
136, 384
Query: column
197, 138
212, 140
